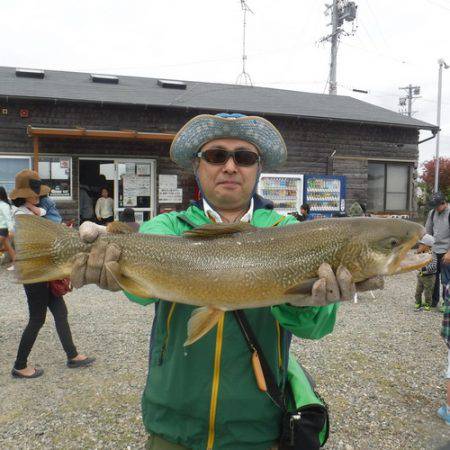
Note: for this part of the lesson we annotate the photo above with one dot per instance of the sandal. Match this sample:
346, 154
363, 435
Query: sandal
74, 364
37, 373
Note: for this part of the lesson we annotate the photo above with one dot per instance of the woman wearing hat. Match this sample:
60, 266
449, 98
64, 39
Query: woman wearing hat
25, 197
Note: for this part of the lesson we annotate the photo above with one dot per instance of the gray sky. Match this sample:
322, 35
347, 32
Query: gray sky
396, 43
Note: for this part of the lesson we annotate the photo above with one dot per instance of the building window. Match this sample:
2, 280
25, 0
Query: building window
387, 188
56, 172
9, 166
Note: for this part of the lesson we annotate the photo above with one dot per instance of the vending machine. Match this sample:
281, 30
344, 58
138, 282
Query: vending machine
325, 195
283, 189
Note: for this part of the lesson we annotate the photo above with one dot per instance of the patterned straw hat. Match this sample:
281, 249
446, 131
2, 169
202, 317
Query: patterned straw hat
205, 128
28, 184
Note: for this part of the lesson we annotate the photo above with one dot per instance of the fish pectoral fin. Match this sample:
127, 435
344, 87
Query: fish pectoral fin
303, 288
201, 321
126, 283
214, 230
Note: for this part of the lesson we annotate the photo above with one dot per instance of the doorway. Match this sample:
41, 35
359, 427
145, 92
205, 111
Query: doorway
130, 182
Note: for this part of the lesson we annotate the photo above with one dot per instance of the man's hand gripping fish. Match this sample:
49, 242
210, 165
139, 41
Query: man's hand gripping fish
223, 267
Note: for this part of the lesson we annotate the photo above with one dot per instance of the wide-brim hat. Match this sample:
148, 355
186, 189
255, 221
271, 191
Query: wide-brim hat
28, 184
205, 128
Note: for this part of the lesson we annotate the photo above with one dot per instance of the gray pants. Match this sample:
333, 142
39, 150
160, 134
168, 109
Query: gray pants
425, 285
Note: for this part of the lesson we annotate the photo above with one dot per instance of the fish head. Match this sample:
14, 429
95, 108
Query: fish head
382, 247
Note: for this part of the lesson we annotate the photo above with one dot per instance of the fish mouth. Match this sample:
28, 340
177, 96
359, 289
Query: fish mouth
405, 260
412, 261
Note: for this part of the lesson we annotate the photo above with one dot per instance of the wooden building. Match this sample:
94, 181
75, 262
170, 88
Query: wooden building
83, 131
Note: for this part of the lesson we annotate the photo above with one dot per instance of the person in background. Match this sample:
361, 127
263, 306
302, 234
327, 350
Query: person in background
104, 208
6, 226
304, 212
425, 276
303, 215
444, 411
127, 216
438, 225
355, 210
86, 206
25, 197
51, 212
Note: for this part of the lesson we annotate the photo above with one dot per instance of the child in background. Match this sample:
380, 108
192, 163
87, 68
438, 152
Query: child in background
426, 276
444, 411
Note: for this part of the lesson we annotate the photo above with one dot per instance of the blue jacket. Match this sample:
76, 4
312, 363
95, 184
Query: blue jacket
51, 211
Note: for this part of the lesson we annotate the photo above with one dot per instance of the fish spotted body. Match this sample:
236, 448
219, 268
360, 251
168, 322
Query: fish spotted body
228, 266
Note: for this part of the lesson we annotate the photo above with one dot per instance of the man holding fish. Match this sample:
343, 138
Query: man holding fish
233, 252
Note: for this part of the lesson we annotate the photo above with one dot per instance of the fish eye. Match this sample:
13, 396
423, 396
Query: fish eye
393, 242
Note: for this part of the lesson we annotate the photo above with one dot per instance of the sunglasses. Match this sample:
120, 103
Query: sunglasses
219, 156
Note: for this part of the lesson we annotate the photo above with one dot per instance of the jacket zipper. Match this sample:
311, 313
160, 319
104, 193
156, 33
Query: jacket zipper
166, 338
215, 384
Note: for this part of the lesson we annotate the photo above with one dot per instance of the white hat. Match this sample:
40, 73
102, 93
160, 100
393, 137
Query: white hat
427, 240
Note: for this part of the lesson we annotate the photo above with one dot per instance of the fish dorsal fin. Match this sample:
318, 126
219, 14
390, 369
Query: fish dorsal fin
213, 230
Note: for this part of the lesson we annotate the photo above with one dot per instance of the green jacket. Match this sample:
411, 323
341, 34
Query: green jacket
205, 396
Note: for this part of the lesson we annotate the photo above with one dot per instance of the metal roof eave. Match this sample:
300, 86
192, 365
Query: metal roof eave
432, 128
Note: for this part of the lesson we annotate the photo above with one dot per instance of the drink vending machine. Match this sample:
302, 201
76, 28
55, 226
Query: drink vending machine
325, 194
283, 189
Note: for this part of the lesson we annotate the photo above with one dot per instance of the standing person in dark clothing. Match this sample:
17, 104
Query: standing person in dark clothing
438, 225
25, 198
127, 216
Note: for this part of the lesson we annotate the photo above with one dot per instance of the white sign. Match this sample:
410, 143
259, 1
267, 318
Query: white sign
168, 181
135, 186
170, 195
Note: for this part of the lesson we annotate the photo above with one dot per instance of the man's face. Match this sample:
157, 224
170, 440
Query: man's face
227, 186
441, 207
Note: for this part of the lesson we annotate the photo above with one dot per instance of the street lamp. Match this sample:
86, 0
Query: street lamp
442, 64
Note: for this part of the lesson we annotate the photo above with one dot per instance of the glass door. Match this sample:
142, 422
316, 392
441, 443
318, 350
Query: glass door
134, 187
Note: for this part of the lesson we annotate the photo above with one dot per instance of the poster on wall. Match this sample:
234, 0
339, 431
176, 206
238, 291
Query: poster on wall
136, 186
168, 181
129, 201
170, 195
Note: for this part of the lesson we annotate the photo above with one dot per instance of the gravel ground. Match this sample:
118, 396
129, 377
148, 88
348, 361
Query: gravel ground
381, 372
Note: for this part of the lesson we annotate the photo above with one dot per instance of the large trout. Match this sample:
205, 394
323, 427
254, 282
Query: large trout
223, 267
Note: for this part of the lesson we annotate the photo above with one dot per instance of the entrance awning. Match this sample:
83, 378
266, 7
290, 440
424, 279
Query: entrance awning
80, 133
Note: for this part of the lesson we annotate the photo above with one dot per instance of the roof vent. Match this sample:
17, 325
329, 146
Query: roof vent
30, 73
109, 79
172, 84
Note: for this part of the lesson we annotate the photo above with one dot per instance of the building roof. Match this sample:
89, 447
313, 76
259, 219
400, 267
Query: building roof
76, 86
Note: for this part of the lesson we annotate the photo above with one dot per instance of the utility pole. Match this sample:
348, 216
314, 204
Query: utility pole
341, 10
442, 64
413, 93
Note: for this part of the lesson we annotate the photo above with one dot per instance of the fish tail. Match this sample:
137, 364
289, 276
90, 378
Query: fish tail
36, 252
